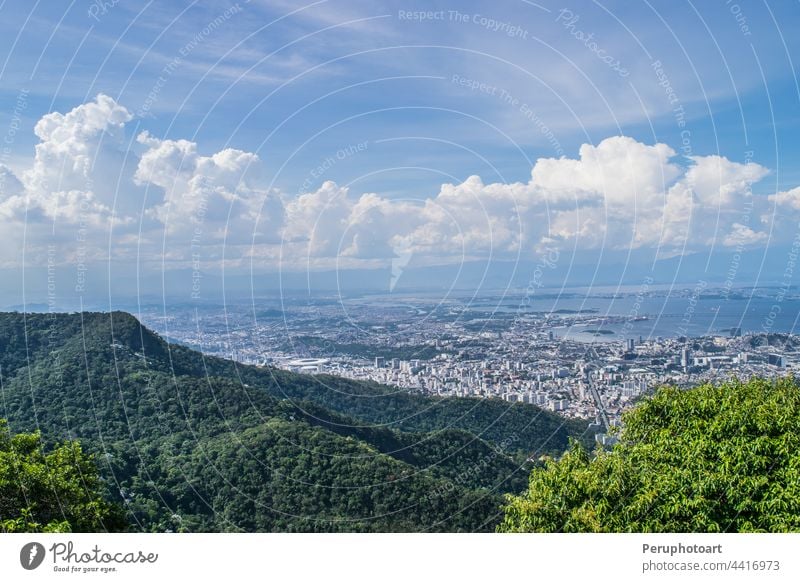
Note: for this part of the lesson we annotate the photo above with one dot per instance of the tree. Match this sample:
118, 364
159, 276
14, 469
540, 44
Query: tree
711, 459
57, 491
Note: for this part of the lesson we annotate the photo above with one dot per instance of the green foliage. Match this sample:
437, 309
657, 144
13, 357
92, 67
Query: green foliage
720, 458
194, 443
288, 476
451, 453
531, 430
57, 491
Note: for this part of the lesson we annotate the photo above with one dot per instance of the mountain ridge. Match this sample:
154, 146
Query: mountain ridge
190, 442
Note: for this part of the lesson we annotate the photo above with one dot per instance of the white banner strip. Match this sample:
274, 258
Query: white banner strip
401, 557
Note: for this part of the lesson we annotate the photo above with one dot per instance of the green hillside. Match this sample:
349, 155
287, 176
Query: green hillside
192, 443
716, 458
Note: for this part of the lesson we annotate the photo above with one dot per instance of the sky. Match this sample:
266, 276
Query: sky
144, 139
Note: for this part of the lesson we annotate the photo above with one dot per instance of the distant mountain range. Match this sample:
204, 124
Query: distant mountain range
120, 286
193, 443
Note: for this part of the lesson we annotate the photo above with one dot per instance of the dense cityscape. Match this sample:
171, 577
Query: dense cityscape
577, 362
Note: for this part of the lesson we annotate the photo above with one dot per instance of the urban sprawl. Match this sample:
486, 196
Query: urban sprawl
450, 350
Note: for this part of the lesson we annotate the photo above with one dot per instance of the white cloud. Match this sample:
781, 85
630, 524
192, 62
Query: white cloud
741, 235
10, 185
790, 198
80, 151
167, 200
619, 194
68, 196
619, 171
721, 183
207, 200
642, 196
75, 169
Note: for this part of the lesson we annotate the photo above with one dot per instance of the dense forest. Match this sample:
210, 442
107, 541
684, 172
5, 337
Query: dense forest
186, 442
55, 492
716, 458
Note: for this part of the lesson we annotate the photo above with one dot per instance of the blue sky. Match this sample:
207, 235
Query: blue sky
395, 99
238, 74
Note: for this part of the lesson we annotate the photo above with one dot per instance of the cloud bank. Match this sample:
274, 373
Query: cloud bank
101, 196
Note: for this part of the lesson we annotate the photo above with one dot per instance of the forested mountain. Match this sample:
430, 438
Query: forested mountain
192, 443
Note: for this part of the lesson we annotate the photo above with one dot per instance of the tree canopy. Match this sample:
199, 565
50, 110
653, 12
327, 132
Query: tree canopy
57, 491
197, 443
722, 458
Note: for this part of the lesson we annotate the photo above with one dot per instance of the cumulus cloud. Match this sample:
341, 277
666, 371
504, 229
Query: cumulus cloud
78, 161
642, 196
719, 181
619, 193
75, 168
463, 220
742, 236
166, 200
69, 194
10, 185
789, 199
619, 171
207, 199
318, 219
